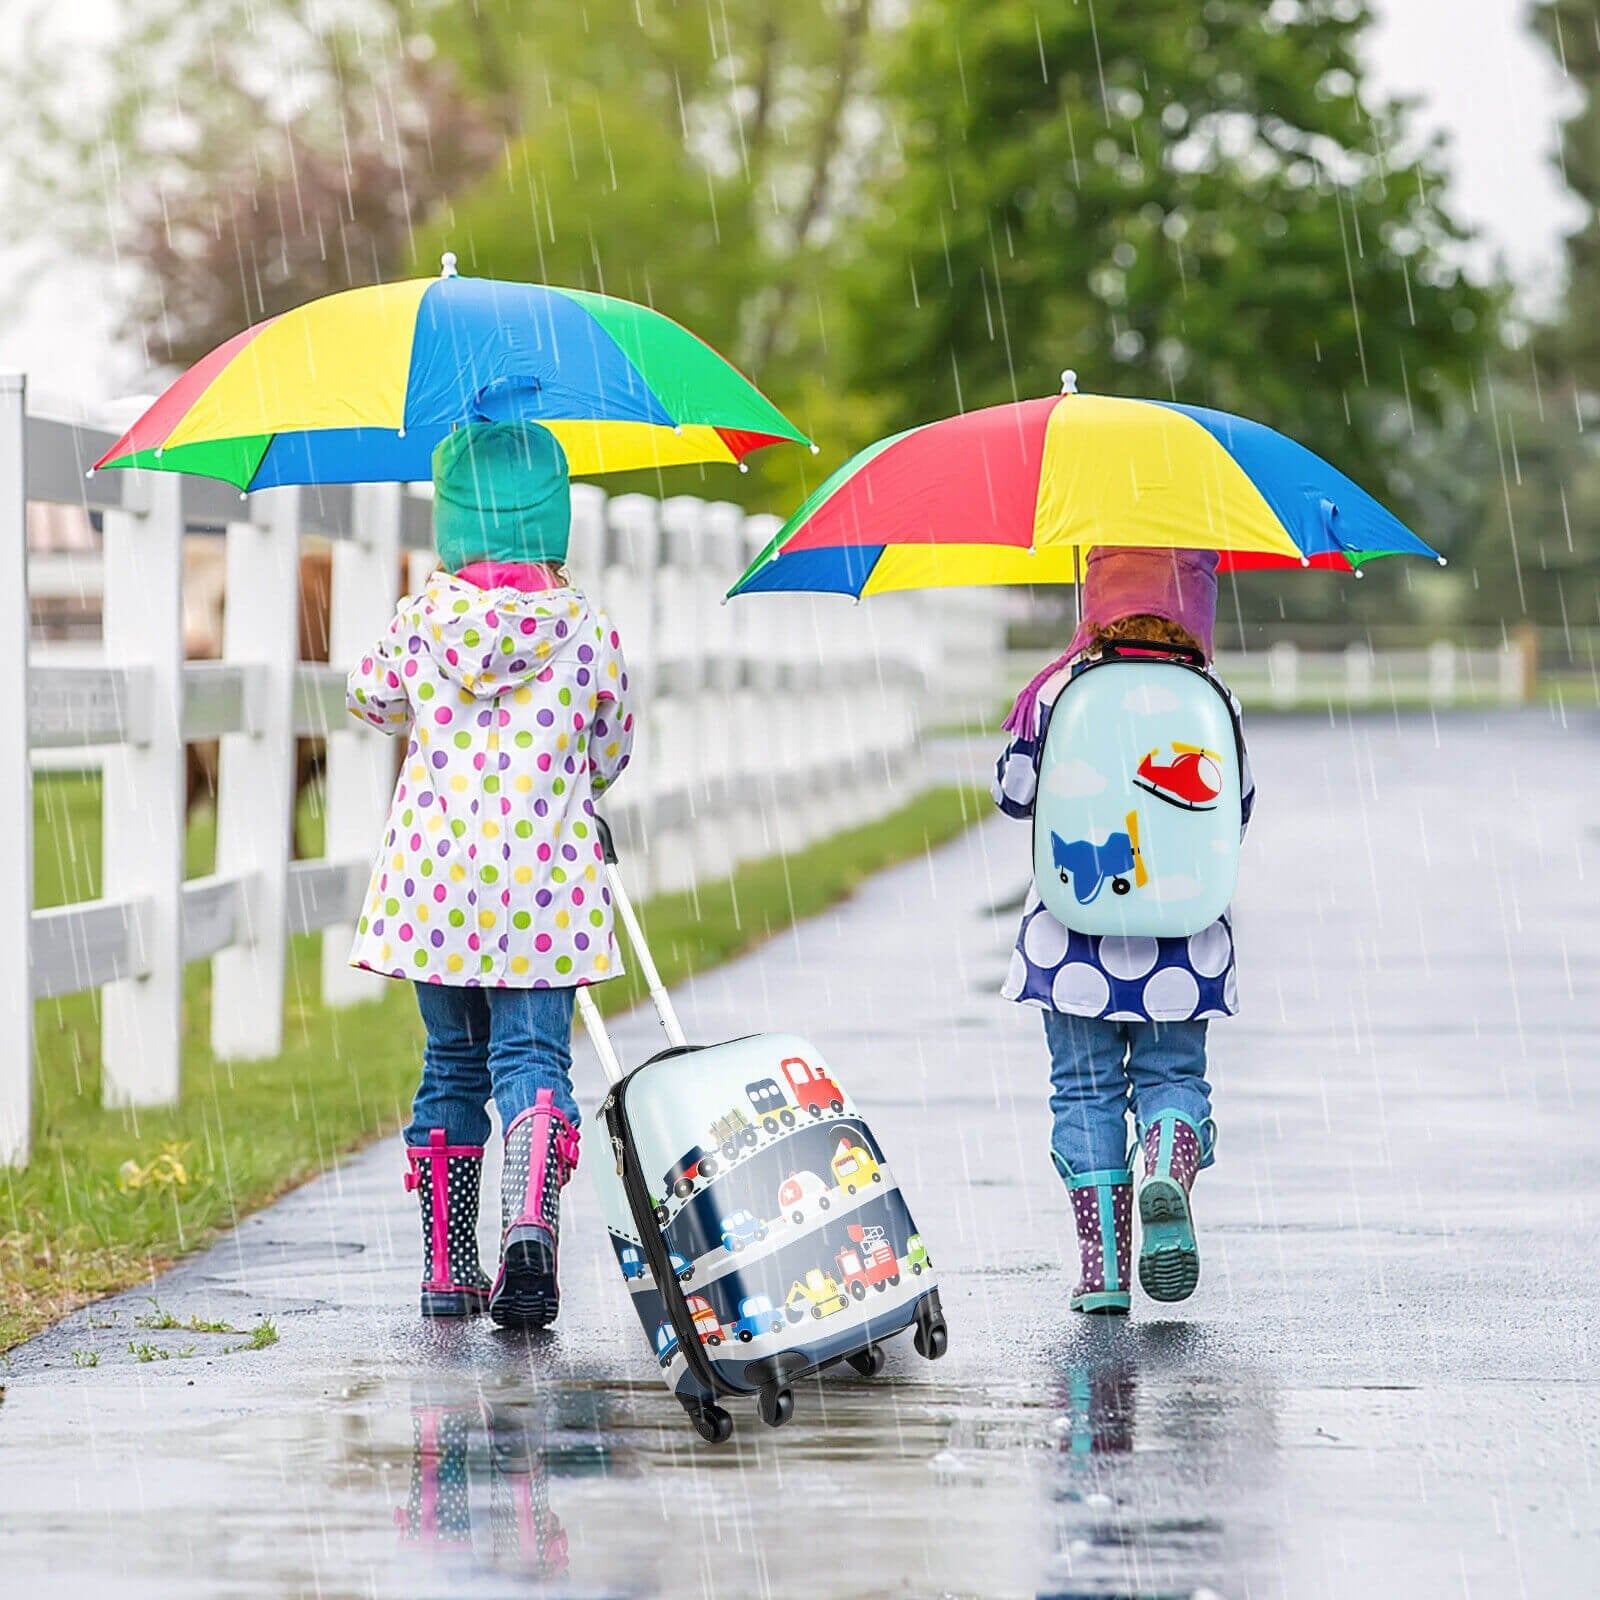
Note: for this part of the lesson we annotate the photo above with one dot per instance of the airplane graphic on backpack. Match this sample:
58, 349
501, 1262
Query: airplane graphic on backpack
1139, 789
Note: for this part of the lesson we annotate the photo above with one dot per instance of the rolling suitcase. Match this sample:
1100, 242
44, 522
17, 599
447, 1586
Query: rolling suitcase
754, 1216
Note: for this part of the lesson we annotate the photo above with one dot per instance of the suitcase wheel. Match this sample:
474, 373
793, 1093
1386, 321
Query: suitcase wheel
712, 1423
869, 1362
932, 1337
775, 1405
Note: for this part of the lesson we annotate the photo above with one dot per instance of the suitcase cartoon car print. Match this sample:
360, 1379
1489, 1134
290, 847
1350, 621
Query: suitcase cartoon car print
786, 1216
801, 1249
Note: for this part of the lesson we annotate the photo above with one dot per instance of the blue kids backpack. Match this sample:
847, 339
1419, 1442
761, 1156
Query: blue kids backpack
1136, 817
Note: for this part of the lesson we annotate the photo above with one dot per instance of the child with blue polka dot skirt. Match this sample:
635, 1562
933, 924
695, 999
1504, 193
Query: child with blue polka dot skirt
489, 893
1124, 1018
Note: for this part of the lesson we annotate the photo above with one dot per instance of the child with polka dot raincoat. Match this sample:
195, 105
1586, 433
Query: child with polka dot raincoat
1124, 1018
489, 893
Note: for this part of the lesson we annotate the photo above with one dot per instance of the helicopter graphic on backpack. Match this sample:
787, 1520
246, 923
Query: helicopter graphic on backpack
1086, 866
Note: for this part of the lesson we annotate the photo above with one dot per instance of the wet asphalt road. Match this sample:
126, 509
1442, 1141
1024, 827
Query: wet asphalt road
1384, 1385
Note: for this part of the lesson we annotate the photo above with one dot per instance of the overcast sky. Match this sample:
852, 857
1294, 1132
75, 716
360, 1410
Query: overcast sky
1481, 78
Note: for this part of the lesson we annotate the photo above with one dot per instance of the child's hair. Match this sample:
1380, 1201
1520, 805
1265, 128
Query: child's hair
1145, 626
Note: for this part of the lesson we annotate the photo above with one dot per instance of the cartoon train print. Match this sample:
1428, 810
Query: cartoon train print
813, 1089
772, 1105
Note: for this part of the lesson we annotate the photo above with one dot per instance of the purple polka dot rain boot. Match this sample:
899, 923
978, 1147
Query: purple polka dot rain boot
1169, 1259
446, 1178
1102, 1211
541, 1154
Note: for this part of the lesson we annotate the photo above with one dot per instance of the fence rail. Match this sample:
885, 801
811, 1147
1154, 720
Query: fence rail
763, 725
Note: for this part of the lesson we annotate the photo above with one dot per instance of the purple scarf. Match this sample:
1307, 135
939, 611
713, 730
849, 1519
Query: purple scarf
1178, 585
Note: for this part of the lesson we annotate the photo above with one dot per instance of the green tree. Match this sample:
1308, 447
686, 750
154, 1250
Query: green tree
1175, 199
702, 161
250, 155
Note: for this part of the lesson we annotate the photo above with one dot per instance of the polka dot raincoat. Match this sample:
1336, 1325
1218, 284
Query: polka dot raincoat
1105, 975
515, 711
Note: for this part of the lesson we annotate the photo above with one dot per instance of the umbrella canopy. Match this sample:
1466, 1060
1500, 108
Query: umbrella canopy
1018, 494
360, 386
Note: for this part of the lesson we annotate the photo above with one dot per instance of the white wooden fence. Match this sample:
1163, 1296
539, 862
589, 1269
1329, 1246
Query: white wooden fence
765, 725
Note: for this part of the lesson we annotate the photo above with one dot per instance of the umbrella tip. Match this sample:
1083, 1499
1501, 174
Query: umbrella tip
1069, 381
1305, 561
89, 473
1444, 561
447, 264
1360, 573
744, 466
816, 449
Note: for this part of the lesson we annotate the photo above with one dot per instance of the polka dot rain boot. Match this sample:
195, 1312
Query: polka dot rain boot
541, 1154
1169, 1259
1102, 1211
437, 1514
447, 1178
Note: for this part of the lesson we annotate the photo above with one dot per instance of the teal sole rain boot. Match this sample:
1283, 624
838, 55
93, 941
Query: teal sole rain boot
1102, 1212
1169, 1258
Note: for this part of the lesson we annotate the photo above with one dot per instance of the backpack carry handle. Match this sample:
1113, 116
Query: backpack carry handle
1132, 649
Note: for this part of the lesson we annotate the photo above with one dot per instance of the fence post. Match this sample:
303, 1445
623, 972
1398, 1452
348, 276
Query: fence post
1358, 672
141, 1019
16, 800
366, 574
1442, 673
1283, 673
1521, 681
255, 786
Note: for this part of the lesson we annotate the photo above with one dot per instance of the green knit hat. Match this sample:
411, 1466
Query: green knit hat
500, 493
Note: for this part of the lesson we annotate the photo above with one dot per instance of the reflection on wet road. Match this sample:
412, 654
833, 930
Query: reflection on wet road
1384, 1384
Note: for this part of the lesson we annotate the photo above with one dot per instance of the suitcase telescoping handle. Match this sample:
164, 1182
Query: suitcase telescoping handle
658, 991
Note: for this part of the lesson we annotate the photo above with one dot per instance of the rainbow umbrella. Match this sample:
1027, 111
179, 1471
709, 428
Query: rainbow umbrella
360, 386
1018, 494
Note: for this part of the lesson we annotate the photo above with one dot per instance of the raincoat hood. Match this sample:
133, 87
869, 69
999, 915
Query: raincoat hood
491, 640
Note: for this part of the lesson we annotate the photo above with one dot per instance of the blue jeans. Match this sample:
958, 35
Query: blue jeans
507, 1042
1099, 1071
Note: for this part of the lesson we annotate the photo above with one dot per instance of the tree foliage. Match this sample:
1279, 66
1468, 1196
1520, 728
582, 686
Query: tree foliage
252, 156
1176, 199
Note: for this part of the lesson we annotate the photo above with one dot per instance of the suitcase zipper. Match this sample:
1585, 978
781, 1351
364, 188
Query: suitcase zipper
655, 1249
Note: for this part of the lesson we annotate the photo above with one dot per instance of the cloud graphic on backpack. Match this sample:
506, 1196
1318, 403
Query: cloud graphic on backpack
1139, 790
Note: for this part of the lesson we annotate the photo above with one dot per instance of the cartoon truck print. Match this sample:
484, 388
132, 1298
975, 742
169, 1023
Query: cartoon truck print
734, 1131
817, 1293
853, 1167
694, 1164
799, 1192
740, 1228
757, 1316
813, 1088
666, 1344
917, 1257
706, 1322
771, 1105
1086, 866
867, 1262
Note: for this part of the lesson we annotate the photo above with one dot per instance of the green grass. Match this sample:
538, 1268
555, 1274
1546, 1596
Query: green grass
111, 1197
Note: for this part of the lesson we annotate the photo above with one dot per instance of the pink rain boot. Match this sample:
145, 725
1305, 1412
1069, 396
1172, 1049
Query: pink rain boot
541, 1154
446, 1178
